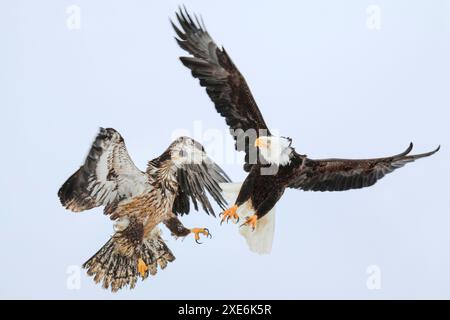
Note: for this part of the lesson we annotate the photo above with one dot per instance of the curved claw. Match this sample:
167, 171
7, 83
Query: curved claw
208, 233
251, 222
229, 214
245, 224
198, 231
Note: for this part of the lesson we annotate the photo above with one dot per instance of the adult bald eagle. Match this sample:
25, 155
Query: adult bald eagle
139, 201
277, 166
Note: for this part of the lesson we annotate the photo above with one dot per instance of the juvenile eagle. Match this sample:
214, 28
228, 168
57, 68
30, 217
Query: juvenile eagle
138, 201
271, 161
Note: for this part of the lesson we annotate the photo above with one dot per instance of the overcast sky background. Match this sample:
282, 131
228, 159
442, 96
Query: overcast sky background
319, 75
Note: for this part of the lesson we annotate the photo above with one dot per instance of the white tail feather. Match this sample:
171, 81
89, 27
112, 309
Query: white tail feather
260, 240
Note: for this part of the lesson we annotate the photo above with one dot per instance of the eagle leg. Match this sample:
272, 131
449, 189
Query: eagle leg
198, 231
230, 213
251, 221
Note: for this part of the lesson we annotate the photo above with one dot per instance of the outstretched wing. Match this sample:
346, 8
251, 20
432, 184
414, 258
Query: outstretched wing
195, 174
224, 84
345, 174
107, 176
194, 180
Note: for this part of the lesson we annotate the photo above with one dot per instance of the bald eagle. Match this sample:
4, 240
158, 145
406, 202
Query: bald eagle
271, 161
138, 201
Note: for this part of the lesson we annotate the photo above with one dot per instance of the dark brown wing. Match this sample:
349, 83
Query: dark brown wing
194, 180
224, 84
344, 174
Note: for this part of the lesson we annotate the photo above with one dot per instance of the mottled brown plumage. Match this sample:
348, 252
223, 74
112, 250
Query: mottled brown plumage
139, 201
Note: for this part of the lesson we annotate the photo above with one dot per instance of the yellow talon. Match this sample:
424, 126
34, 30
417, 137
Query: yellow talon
197, 231
251, 221
142, 267
230, 214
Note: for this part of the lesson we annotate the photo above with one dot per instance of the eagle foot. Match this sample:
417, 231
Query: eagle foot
251, 221
198, 231
142, 267
230, 213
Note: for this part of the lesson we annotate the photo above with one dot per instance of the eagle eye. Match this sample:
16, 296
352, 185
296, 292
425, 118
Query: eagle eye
182, 153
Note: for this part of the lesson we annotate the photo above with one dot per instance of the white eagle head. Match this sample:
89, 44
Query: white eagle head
275, 150
185, 150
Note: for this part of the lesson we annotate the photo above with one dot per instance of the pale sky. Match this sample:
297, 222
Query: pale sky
340, 87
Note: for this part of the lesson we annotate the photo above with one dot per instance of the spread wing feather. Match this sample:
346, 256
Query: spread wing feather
345, 174
224, 84
196, 179
107, 176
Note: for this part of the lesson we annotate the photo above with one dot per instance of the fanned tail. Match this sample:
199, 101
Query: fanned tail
115, 265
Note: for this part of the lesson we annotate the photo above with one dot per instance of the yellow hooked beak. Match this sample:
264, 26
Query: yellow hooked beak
260, 143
